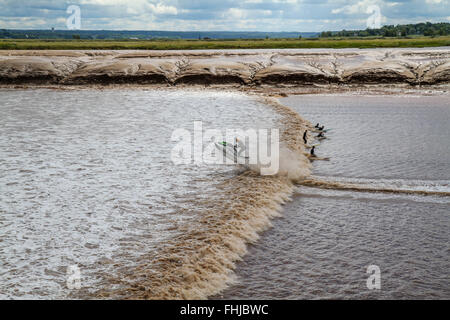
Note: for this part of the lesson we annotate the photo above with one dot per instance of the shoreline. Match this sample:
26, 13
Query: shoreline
282, 68
262, 91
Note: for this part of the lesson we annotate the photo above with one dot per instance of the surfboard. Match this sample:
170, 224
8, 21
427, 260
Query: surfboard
230, 153
324, 130
310, 157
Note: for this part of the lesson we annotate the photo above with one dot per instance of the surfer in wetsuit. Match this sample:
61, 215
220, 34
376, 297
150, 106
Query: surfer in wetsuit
304, 136
321, 135
312, 151
317, 125
239, 147
320, 128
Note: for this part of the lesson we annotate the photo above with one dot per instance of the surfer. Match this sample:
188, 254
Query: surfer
321, 135
304, 136
239, 147
312, 151
317, 125
320, 128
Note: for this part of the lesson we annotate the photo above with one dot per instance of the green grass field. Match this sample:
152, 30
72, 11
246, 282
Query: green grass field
9, 44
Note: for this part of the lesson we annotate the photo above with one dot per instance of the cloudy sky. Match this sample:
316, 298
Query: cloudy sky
219, 15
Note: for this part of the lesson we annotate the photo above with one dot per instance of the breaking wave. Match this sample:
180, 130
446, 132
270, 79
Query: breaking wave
200, 261
398, 186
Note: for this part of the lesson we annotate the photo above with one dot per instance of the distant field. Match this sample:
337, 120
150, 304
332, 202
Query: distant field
15, 44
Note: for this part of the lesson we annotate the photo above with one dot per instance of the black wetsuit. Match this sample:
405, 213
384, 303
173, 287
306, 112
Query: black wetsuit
304, 137
312, 151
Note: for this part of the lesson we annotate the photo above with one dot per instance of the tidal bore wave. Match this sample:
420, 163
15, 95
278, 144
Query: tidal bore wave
398, 187
200, 261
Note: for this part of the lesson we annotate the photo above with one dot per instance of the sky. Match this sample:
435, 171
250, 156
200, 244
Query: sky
219, 15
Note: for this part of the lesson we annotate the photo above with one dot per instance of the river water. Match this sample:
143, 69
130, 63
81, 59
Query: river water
87, 181
326, 239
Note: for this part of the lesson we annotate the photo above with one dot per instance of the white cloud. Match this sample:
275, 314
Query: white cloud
237, 15
135, 6
112, 2
358, 7
163, 9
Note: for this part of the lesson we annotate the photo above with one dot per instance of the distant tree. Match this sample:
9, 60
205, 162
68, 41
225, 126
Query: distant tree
427, 29
428, 32
326, 34
76, 36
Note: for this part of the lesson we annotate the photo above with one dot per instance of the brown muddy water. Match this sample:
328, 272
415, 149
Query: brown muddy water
326, 238
86, 180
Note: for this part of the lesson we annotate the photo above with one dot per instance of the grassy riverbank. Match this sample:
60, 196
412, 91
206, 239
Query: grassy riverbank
25, 44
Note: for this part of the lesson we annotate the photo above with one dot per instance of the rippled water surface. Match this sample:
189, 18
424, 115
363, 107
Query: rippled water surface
86, 179
322, 245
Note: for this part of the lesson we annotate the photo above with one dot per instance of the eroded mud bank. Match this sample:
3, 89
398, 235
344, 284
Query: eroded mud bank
236, 67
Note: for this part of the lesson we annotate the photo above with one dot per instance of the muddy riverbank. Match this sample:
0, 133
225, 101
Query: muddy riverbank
285, 68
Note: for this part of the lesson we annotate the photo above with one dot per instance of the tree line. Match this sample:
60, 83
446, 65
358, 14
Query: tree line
424, 29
